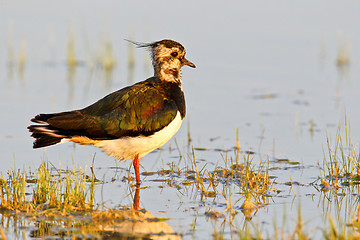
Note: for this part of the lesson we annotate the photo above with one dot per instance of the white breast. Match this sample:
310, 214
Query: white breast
128, 147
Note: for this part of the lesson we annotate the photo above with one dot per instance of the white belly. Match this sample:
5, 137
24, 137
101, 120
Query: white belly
128, 147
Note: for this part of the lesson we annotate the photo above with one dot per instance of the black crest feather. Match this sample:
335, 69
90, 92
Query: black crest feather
166, 42
143, 45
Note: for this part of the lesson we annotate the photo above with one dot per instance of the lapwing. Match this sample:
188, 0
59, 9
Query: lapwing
128, 123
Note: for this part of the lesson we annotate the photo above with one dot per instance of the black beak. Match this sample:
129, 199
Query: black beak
187, 62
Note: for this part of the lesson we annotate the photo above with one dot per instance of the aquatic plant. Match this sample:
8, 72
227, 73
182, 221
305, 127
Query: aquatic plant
52, 188
341, 165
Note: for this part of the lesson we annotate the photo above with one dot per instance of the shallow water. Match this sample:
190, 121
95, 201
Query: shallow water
268, 69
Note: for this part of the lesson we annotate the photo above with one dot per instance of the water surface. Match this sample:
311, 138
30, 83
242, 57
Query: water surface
268, 69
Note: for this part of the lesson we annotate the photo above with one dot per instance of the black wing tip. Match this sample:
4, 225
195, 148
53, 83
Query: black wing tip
43, 138
41, 118
45, 141
36, 145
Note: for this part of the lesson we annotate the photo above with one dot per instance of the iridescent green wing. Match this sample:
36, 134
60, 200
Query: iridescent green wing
141, 109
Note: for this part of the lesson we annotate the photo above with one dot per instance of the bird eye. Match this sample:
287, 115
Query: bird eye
174, 54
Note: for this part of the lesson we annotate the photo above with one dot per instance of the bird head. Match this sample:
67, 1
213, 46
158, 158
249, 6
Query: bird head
168, 57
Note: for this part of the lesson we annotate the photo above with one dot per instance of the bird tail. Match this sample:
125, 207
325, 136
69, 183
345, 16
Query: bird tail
44, 133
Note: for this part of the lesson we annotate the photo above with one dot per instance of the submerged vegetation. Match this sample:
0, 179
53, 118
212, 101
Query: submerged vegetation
51, 197
61, 202
340, 185
51, 202
342, 166
47, 189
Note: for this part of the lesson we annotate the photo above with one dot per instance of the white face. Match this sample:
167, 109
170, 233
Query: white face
168, 58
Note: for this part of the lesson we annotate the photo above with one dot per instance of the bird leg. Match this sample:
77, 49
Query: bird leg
136, 164
137, 198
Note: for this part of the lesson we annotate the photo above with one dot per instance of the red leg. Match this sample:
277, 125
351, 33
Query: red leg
137, 198
136, 167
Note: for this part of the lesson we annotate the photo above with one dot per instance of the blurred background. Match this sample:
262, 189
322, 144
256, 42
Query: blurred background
263, 67
283, 73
